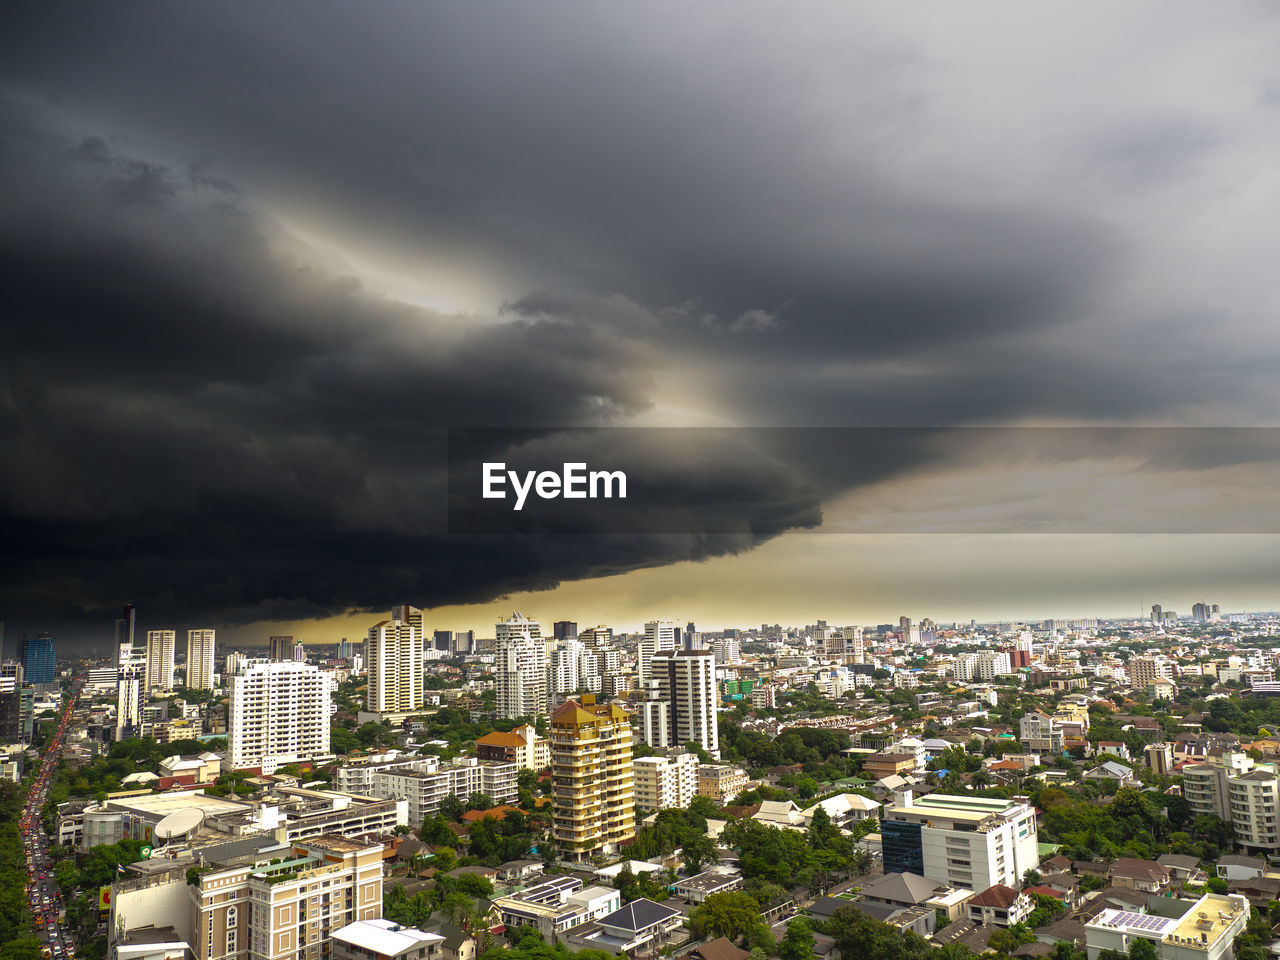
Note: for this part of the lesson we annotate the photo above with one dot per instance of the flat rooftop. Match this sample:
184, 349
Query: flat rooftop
1212, 914
163, 804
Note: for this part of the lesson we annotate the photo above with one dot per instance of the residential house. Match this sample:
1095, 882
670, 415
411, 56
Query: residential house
1146, 876
1000, 905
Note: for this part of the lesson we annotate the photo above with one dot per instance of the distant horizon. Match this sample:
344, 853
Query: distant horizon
85, 647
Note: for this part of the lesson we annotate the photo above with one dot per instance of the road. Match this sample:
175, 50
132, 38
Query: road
47, 908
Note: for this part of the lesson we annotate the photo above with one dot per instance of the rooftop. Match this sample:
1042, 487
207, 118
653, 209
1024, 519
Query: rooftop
384, 937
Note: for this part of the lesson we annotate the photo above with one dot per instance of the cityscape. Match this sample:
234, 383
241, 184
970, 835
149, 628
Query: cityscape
1026, 788
554, 480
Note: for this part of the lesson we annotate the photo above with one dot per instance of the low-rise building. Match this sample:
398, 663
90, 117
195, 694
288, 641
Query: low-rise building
1000, 905
720, 782
384, 940
1206, 931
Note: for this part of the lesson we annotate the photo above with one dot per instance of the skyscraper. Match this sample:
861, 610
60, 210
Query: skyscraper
394, 652
200, 651
124, 631
278, 714
280, 649
521, 665
658, 635
39, 663
160, 658
593, 809
681, 704
564, 630
563, 666
131, 676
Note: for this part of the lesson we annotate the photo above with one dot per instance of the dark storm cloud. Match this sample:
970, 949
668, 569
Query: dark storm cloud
212, 425
833, 219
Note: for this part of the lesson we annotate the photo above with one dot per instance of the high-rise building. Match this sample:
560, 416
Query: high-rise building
443, 640
658, 635
280, 648
160, 658
464, 642
299, 652
200, 651
910, 631
563, 666
394, 653
1234, 789
682, 701
124, 630
12, 678
130, 688
593, 810
39, 663
564, 630
1143, 670
521, 665
278, 714
598, 636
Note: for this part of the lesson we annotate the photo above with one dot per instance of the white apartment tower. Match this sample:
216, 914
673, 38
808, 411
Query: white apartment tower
659, 635
521, 665
279, 714
200, 647
564, 667
130, 679
665, 782
394, 653
160, 651
681, 704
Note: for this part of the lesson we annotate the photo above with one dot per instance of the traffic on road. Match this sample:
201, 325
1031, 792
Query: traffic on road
47, 908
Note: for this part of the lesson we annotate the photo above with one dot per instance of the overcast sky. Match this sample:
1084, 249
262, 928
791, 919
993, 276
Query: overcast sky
258, 257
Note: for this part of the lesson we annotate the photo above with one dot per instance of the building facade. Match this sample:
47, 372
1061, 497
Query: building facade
665, 782
682, 701
278, 714
521, 668
200, 654
161, 646
593, 806
970, 842
393, 658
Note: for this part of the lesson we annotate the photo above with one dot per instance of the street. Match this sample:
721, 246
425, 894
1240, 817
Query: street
47, 909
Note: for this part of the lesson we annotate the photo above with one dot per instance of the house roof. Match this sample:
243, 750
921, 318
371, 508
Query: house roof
995, 896
1179, 861
719, 949
497, 813
1236, 860
902, 888
1131, 868
499, 739
1072, 931
638, 915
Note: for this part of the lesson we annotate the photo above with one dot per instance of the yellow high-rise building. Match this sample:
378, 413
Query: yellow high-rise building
593, 805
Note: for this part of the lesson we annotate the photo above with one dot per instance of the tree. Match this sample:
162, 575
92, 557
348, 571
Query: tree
799, 942
733, 915
452, 808
1142, 949
479, 801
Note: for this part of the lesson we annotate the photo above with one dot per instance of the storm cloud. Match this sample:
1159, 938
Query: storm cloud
258, 260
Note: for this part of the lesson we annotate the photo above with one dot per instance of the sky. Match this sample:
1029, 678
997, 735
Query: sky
260, 260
